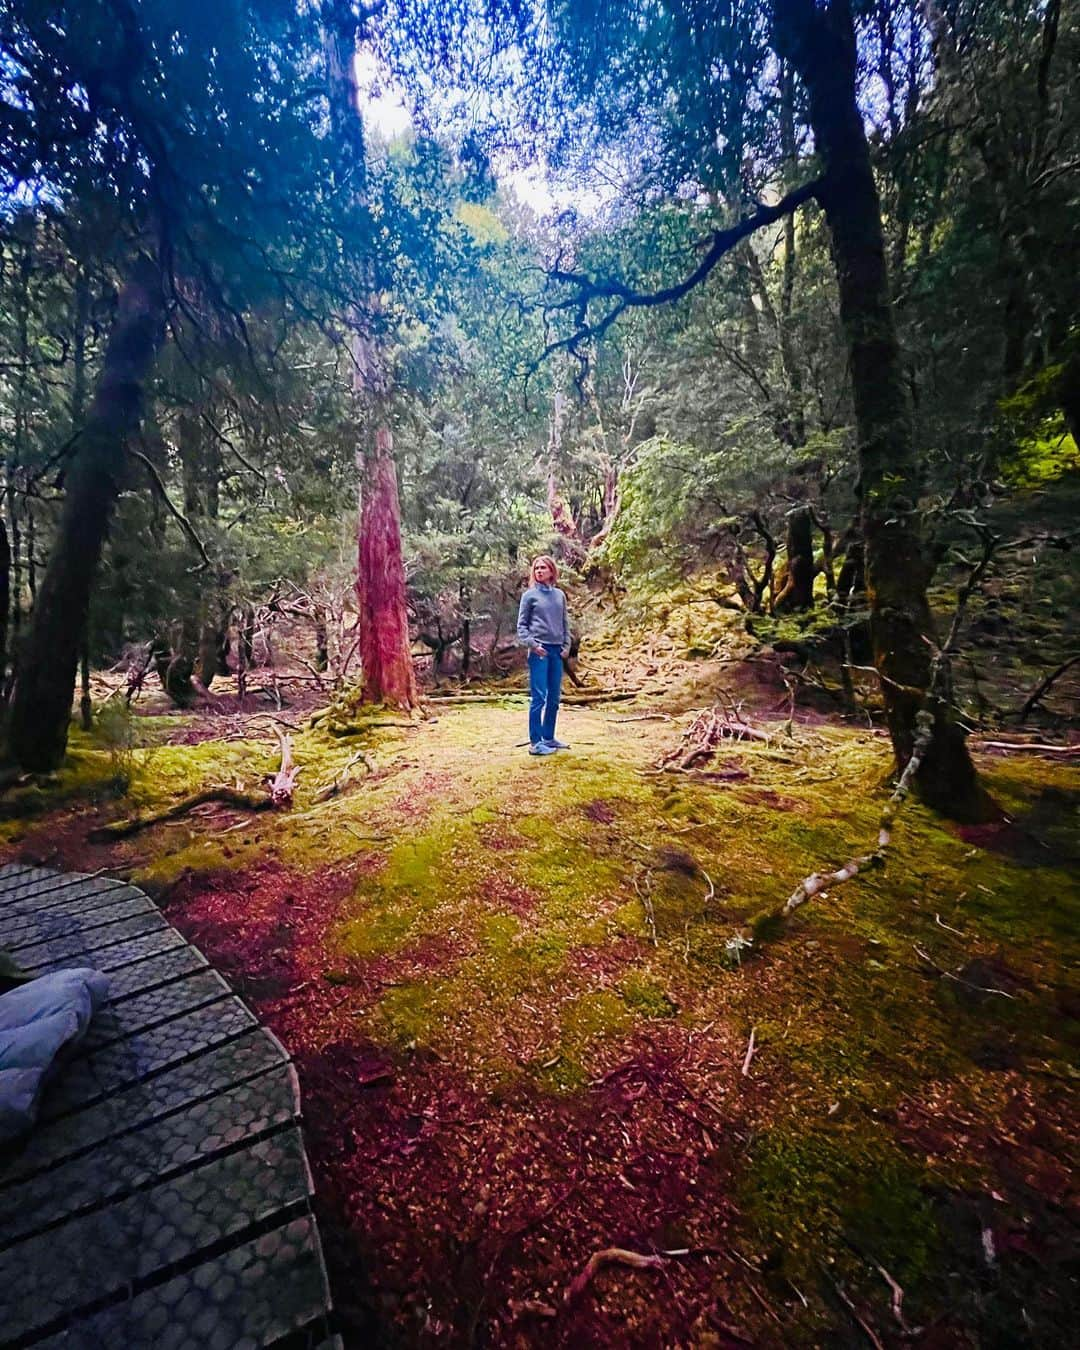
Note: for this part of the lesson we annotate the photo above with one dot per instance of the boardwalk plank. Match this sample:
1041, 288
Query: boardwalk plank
153, 971
199, 1079
70, 1267
162, 1149
222, 1304
84, 948
90, 1078
156, 1006
74, 894
25, 930
115, 956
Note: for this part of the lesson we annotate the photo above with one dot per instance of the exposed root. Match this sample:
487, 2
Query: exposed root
958, 979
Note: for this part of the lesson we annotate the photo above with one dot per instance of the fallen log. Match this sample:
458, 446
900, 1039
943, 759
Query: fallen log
280, 794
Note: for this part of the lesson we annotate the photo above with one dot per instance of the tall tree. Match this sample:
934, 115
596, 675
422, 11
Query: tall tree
382, 613
820, 44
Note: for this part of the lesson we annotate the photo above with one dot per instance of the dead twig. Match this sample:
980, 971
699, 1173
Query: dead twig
340, 781
959, 979
647, 905
871, 1334
751, 1051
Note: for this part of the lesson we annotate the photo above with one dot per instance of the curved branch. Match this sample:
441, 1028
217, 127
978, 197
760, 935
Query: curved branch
626, 297
171, 506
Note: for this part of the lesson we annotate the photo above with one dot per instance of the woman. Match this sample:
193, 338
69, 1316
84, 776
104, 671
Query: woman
544, 628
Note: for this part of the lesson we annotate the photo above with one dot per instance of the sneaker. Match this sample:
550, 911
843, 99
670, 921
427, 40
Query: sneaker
555, 745
540, 748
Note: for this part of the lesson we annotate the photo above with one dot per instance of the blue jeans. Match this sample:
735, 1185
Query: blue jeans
545, 686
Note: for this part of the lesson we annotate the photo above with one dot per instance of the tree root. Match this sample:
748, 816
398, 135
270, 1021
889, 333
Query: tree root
610, 1256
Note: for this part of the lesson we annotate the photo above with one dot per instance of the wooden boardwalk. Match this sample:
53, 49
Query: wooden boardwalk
164, 1197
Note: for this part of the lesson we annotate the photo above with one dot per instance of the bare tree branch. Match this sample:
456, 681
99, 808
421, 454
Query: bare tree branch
171, 506
625, 297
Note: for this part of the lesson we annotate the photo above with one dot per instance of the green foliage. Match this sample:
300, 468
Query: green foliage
129, 746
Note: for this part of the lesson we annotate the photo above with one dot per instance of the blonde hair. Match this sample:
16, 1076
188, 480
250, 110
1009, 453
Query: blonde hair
543, 558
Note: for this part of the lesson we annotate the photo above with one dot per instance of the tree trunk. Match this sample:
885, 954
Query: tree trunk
821, 46
562, 517
41, 706
385, 658
322, 640
86, 703
798, 591
5, 587
382, 619
465, 599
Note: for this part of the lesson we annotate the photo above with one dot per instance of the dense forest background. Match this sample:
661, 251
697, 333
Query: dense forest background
538, 393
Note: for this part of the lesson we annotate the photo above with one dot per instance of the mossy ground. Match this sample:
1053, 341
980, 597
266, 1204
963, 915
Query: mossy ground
509, 988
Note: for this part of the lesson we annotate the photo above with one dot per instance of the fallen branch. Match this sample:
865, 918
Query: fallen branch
705, 733
1044, 686
610, 1256
340, 782
816, 882
1032, 746
227, 796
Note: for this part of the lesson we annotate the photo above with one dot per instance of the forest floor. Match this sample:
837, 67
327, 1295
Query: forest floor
524, 1036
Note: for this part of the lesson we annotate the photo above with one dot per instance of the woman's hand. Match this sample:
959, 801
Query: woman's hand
539, 651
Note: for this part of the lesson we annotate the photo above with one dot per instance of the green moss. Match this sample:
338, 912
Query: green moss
645, 995
379, 931
630, 919
498, 933
808, 1193
592, 1017
413, 1015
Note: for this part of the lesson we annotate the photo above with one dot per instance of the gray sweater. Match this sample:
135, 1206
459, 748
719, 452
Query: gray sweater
542, 618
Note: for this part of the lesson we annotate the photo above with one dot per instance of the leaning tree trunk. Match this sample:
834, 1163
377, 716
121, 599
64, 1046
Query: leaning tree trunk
45, 683
820, 43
